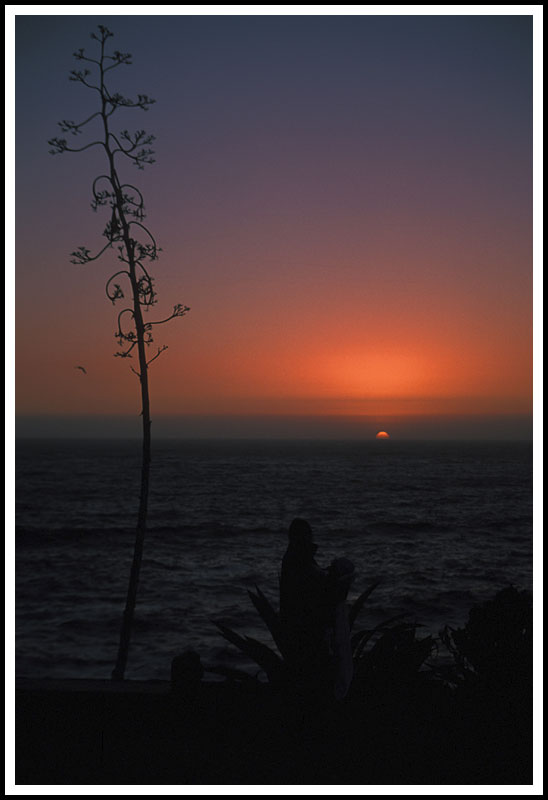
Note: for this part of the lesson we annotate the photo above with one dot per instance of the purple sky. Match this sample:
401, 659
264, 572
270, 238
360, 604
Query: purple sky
344, 202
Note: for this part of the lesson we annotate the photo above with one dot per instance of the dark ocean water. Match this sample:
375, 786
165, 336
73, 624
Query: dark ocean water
440, 525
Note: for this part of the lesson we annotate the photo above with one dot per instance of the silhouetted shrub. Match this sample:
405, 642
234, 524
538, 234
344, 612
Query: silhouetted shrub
393, 659
495, 647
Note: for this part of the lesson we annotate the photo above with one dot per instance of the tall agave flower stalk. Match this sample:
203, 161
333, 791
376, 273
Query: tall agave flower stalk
136, 247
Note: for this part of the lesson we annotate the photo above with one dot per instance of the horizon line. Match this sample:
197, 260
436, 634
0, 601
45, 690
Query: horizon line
448, 427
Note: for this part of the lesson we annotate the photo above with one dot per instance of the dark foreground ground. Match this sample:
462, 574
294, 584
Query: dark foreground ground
100, 732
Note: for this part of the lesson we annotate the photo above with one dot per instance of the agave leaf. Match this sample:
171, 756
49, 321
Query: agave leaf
232, 636
266, 658
358, 604
361, 646
356, 638
423, 648
265, 608
270, 617
382, 627
359, 642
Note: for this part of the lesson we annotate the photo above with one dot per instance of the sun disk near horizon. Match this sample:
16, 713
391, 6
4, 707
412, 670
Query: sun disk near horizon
382, 435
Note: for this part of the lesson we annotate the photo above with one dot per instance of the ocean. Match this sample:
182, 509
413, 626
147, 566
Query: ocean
440, 526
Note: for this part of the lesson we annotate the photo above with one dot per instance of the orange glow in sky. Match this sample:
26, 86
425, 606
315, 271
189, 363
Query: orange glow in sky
352, 236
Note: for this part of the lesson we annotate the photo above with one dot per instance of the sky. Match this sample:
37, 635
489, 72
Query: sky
344, 202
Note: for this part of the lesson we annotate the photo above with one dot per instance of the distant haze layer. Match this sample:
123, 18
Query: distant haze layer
469, 427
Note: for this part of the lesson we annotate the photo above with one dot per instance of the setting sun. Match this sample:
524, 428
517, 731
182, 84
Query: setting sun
382, 435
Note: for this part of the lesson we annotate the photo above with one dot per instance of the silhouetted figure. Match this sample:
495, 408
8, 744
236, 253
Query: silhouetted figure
303, 604
313, 614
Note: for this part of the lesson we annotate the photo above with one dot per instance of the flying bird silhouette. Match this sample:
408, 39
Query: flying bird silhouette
83, 370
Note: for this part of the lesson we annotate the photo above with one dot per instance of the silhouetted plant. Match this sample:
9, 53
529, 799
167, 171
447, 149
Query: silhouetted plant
390, 655
275, 665
494, 650
392, 641
126, 213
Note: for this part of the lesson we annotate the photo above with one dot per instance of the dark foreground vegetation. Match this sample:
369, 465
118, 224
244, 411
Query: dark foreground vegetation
401, 723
